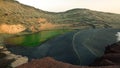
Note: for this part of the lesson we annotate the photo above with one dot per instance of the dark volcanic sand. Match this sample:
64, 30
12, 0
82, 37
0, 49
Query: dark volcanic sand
110, 59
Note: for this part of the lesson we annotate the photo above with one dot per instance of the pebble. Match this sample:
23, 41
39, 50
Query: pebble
6, 52
1, 47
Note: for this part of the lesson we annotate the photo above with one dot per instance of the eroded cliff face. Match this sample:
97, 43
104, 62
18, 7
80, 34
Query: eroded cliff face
44, 24
11, 29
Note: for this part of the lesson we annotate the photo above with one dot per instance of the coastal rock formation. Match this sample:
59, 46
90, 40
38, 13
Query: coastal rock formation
7, 59
111, 56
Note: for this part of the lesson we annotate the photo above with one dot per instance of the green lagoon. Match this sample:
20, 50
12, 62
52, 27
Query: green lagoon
34, 39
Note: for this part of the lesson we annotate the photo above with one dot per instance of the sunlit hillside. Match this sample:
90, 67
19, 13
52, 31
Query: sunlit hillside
32, 19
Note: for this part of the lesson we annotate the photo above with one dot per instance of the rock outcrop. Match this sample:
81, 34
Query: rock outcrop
7, 59
111, 56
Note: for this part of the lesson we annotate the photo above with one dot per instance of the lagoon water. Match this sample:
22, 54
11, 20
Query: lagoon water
79, 47
35, 39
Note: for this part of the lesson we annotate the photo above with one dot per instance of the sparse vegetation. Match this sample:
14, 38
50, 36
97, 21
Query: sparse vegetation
12, 12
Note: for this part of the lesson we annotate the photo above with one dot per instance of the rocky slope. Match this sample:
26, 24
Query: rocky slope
12, 13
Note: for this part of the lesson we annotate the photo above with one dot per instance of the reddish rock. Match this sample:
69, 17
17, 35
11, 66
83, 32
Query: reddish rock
111, 56
114, 48
51, 63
